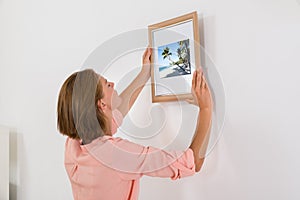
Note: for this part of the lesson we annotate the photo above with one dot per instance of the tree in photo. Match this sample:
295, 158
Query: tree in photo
183, 53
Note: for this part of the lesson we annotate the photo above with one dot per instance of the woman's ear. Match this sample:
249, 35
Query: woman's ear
101, 105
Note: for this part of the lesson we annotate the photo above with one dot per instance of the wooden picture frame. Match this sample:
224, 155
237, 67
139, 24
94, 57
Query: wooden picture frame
175, 56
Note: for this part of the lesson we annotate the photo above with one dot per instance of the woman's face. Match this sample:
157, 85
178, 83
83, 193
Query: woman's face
111, 97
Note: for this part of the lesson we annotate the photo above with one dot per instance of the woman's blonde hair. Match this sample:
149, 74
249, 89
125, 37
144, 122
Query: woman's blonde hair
78, 115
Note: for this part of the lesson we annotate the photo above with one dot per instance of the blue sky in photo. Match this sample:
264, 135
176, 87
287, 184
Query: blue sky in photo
173, 49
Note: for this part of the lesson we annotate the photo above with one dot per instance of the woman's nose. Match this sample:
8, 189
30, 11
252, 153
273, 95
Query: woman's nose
113, 85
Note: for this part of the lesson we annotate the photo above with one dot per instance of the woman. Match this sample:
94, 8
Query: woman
100, 166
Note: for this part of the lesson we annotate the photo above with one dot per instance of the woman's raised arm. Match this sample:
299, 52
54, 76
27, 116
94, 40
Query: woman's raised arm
130, 94
202, 98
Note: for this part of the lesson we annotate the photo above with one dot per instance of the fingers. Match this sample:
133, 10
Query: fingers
144, 54
200, 89
147, 53
199, 81
203, 82
194, 80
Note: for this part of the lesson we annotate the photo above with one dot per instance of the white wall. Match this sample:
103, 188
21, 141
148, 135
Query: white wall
4, 163
254, 43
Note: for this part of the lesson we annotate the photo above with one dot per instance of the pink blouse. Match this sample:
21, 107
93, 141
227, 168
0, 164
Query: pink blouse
110, 168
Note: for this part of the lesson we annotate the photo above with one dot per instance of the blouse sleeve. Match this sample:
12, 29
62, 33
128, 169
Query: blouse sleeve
134, 160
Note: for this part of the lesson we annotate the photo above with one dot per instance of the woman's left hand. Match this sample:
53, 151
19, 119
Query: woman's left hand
146, 68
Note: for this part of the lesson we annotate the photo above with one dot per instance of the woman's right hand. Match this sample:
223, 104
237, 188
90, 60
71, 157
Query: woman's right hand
200, 91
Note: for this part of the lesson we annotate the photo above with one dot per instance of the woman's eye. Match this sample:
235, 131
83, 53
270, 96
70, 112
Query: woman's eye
109, 85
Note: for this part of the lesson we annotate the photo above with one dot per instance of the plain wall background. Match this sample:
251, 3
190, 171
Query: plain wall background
254, 43
4, 164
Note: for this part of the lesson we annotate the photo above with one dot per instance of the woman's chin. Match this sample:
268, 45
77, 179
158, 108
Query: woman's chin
116, 100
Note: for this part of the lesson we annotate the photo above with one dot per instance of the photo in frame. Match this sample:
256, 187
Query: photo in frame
175, 56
